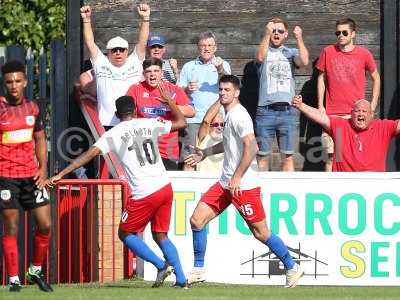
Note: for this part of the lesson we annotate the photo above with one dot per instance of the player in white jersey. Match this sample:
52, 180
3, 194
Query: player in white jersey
135, 142
238, 185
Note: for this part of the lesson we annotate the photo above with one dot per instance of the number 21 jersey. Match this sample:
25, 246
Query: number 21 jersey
135, 142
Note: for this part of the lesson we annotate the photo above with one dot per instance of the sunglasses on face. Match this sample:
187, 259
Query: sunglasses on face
115, 50
280, 31
217, 124
342, 32
156, 47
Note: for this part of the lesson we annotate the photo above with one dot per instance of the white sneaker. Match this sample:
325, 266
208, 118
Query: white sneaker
293, 275
196, 275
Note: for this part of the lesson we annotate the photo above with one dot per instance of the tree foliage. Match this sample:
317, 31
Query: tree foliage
31, 23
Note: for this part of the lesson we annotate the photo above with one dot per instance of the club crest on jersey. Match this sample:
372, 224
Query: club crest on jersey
5, 195
146, 95
30, 120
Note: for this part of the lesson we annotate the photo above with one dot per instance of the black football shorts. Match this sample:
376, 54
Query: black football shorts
23, 191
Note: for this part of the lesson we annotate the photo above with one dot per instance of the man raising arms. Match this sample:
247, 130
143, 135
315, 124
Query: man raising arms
117, 71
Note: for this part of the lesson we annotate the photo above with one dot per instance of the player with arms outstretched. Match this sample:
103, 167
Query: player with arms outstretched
135, 142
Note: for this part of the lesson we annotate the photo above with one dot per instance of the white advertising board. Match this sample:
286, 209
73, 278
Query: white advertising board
343, 228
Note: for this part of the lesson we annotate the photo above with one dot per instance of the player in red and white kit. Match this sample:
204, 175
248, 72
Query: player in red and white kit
23, 171
146, 96
134, 141
238, 185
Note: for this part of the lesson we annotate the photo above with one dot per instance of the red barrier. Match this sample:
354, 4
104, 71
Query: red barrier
87, 221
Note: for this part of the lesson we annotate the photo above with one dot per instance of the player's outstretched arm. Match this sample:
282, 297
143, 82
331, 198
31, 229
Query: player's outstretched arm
81, 160
312, 113
199, 154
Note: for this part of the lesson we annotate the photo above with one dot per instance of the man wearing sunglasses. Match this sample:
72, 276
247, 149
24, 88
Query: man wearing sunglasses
156, 49
275, 117
118, 70
341, 81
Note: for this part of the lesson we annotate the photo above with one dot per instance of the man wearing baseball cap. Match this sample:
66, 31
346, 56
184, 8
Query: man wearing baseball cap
116, 71
156, 49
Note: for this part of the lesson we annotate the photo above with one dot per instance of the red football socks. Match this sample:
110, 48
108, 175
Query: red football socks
40, 246
10, 250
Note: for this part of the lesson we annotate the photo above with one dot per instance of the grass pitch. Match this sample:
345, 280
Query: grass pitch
141, 290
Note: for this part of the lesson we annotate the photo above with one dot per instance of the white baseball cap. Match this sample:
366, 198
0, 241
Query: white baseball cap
117, 42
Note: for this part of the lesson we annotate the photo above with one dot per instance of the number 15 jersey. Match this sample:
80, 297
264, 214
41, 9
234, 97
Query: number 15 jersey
135, 142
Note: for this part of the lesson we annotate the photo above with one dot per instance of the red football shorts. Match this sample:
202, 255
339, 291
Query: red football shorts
248, 203
154, 209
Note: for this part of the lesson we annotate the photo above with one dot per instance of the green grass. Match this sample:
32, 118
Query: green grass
141, 290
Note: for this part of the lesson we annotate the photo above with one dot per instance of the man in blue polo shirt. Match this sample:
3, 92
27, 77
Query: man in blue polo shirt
275, 117
199, 78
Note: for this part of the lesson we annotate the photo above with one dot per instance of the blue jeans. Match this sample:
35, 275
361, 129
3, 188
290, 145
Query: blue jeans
280, 124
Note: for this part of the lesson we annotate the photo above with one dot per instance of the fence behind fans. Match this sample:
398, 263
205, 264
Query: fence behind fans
85, 245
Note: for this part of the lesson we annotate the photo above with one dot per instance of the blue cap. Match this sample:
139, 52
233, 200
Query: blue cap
156, 40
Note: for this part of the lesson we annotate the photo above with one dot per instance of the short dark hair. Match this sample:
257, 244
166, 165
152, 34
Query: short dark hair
125, 105
347, 21
13, 66
231, 79
152, 62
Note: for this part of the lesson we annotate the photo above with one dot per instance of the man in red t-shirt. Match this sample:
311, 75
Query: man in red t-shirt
342, 81
146, 95
23, 171
361, 143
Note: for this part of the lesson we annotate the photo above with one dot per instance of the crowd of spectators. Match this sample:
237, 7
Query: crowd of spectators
342, 69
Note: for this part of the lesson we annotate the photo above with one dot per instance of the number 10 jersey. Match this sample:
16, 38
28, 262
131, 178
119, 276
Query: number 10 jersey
135, 142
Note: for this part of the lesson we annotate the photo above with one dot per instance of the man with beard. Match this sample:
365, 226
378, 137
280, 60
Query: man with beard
361, 143
238, 185
341, 81
275, 117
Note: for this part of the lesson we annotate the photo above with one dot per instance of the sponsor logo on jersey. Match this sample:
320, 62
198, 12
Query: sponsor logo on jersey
146, 95
155, 111
17, 136
30, 120
5, 195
